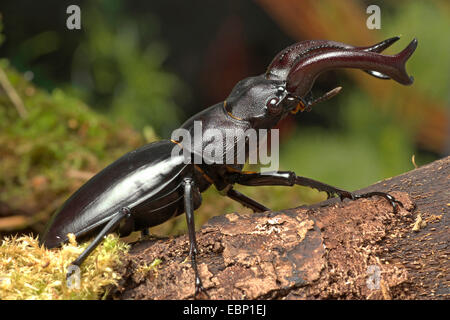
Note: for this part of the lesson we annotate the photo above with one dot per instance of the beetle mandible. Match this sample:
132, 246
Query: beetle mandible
149, 186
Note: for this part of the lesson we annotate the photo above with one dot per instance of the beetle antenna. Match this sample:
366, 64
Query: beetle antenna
330, 94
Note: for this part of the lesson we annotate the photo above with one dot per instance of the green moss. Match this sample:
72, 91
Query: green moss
146, 268
28, 271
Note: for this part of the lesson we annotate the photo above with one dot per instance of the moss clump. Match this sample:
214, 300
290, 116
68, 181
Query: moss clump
29, 271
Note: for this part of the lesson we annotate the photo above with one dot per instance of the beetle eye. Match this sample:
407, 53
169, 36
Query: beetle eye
280, 91
273, 106
272, 102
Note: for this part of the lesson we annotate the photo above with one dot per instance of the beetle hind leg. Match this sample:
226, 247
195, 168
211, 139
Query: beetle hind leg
112, 225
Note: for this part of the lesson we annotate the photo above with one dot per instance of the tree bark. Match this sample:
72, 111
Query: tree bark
332, 250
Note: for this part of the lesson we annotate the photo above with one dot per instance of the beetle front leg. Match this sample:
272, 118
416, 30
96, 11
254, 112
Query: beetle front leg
188, 184
289, 178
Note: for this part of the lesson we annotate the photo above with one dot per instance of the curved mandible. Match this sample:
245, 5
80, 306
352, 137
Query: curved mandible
281, 65
305, 71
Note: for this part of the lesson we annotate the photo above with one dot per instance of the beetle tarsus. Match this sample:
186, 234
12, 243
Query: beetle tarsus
352, 196
394, 202
199, 289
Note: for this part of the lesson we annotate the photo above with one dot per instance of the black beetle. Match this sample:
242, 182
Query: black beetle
150, 185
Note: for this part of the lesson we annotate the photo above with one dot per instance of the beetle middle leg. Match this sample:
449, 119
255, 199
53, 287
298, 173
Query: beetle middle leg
246, 201
188, 185
289, 178
145, 234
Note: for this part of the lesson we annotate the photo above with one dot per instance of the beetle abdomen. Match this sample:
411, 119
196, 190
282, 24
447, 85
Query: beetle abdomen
130, 181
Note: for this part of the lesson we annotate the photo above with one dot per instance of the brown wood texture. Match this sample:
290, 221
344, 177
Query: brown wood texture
332, 250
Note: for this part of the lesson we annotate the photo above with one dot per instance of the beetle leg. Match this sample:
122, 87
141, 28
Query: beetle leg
289, 178
110, 227
246, 201
188, 184
145, 233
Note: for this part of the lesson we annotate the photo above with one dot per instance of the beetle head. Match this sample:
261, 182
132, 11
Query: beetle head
285, 87
257, 100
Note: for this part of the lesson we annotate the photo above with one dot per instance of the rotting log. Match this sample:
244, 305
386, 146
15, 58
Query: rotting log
331, 250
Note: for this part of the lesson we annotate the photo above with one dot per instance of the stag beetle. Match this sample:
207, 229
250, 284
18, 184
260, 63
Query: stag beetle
149, 186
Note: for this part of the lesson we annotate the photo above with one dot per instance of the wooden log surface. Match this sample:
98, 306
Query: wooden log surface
331, 250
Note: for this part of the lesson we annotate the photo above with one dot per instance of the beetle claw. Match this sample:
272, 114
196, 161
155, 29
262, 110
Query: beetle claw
69, 274
199, 289
393, 202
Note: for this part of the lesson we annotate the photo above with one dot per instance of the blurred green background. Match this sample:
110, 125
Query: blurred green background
72, 101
